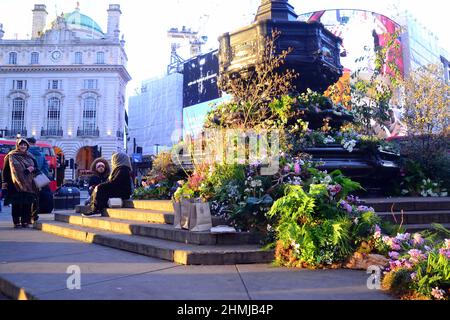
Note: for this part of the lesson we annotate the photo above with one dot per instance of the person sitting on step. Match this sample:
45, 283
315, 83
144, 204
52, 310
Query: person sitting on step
101, 170
117, 186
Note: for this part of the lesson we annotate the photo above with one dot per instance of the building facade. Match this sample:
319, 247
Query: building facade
66, 85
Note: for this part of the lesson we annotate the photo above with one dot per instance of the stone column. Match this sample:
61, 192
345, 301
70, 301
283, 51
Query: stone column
39, 20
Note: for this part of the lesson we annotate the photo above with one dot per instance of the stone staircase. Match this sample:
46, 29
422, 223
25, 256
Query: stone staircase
415, 214
146, 228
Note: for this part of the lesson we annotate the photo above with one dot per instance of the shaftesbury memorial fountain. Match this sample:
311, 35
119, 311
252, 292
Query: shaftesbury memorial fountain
315, 52
315, 56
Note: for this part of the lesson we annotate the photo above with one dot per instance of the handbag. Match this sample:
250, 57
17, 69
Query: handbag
41, 181
187, 211
200, 219
115, 203
177, 214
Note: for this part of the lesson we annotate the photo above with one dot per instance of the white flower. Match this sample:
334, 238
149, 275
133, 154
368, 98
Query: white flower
329, 140
327, 180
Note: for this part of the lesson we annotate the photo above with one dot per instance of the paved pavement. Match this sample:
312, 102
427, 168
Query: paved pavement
39, 264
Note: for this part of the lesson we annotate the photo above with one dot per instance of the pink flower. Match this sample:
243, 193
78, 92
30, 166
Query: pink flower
297, 168
335, 189
413, 276
445, 253
416, 255
438, 294
346, 206
394, 255
403, 236
418, 240
387, 240
365, 209
447, 243
287, 168
393, 243
377, 234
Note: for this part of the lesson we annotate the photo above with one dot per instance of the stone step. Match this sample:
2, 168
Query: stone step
156, 205
186, 254
422, 227
408, 204
159, 231
417, 217
142, 215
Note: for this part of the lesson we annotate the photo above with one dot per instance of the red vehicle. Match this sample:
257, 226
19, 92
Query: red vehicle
8, 145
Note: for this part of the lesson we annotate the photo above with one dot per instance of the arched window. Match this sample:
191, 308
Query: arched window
18, 115
78, 57
100, 57
53, 116
13, 58
35, 58
89, 115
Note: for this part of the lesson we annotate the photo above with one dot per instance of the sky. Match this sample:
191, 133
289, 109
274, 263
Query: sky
144, 23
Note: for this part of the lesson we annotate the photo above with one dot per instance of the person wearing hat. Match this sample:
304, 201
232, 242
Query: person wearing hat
44, 203
118, 185
101, 170
19, 169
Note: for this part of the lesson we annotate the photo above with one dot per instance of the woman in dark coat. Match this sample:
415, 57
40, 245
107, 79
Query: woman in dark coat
117, 186
19, 170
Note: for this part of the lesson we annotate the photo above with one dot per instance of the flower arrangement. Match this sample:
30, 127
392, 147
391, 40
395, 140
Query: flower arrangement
418, 265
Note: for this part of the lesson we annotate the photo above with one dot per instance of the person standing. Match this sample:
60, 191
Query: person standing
44, 201
18, 172
118, 185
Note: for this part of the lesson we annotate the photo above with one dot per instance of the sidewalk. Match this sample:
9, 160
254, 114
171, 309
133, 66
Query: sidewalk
37, 262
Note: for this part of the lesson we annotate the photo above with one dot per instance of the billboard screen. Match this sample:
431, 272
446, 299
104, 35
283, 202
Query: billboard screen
363, 33
200, 79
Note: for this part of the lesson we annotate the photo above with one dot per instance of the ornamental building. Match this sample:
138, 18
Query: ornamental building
66, 85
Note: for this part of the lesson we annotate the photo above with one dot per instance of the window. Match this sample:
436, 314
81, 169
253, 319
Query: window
19, 84
12, 58
100, 57
54, 84
78, 57
53, 116
89, 114
18, 115
35, 58
91, 84
48, 152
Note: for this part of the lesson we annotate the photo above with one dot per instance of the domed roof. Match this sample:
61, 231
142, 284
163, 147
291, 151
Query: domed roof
76, 19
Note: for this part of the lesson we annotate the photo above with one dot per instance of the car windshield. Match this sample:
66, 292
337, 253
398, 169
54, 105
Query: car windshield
48, 151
